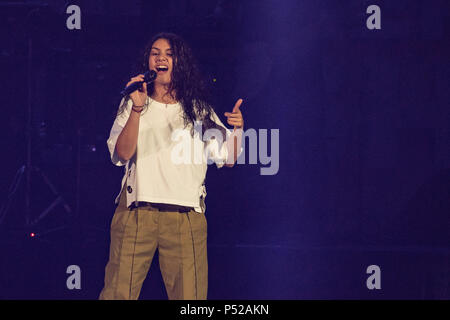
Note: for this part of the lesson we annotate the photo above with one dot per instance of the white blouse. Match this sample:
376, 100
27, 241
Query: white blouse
169, 165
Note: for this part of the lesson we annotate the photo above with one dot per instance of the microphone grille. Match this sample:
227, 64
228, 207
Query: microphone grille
149, 75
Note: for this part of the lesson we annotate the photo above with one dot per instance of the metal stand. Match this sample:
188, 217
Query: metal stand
27, 169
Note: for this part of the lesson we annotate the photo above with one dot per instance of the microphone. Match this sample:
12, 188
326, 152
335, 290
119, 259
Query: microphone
149, 77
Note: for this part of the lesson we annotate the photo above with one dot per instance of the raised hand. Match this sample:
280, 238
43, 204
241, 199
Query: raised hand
139, 96
235, 118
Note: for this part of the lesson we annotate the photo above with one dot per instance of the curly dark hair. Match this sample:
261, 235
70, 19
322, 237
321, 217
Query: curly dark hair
187, 85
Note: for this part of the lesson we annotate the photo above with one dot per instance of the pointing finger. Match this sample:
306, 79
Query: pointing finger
232, 115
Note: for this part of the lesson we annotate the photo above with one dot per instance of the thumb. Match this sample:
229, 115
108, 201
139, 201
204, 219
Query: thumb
237, 105
144, 87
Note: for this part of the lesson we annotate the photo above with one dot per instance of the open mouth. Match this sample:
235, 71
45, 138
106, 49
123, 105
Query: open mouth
162, 69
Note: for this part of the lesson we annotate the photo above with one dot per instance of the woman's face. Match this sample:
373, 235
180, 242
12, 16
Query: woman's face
160, 60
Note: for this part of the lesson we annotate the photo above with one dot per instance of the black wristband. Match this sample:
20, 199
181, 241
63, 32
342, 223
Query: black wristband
138, 111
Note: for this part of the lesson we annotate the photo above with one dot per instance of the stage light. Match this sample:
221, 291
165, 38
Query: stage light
32, 234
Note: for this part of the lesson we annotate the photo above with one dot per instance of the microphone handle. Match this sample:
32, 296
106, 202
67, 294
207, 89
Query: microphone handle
131, 88
149, 77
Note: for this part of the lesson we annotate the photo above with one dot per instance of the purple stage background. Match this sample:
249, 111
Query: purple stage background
364, 144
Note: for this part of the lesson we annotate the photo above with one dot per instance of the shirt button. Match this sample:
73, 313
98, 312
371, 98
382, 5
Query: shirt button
129, 189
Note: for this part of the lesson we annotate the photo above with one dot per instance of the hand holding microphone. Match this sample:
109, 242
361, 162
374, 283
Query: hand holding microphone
137, 87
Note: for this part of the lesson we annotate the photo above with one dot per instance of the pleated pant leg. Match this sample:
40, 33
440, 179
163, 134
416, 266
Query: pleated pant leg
134, 239
183, 255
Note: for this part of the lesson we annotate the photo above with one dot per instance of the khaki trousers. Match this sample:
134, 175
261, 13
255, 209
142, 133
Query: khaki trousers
135, 236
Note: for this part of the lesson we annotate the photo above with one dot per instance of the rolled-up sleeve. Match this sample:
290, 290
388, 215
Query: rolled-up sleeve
118, 125
217, 148
217, 152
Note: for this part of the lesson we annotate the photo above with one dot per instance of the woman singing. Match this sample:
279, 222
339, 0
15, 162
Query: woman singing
165, 134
